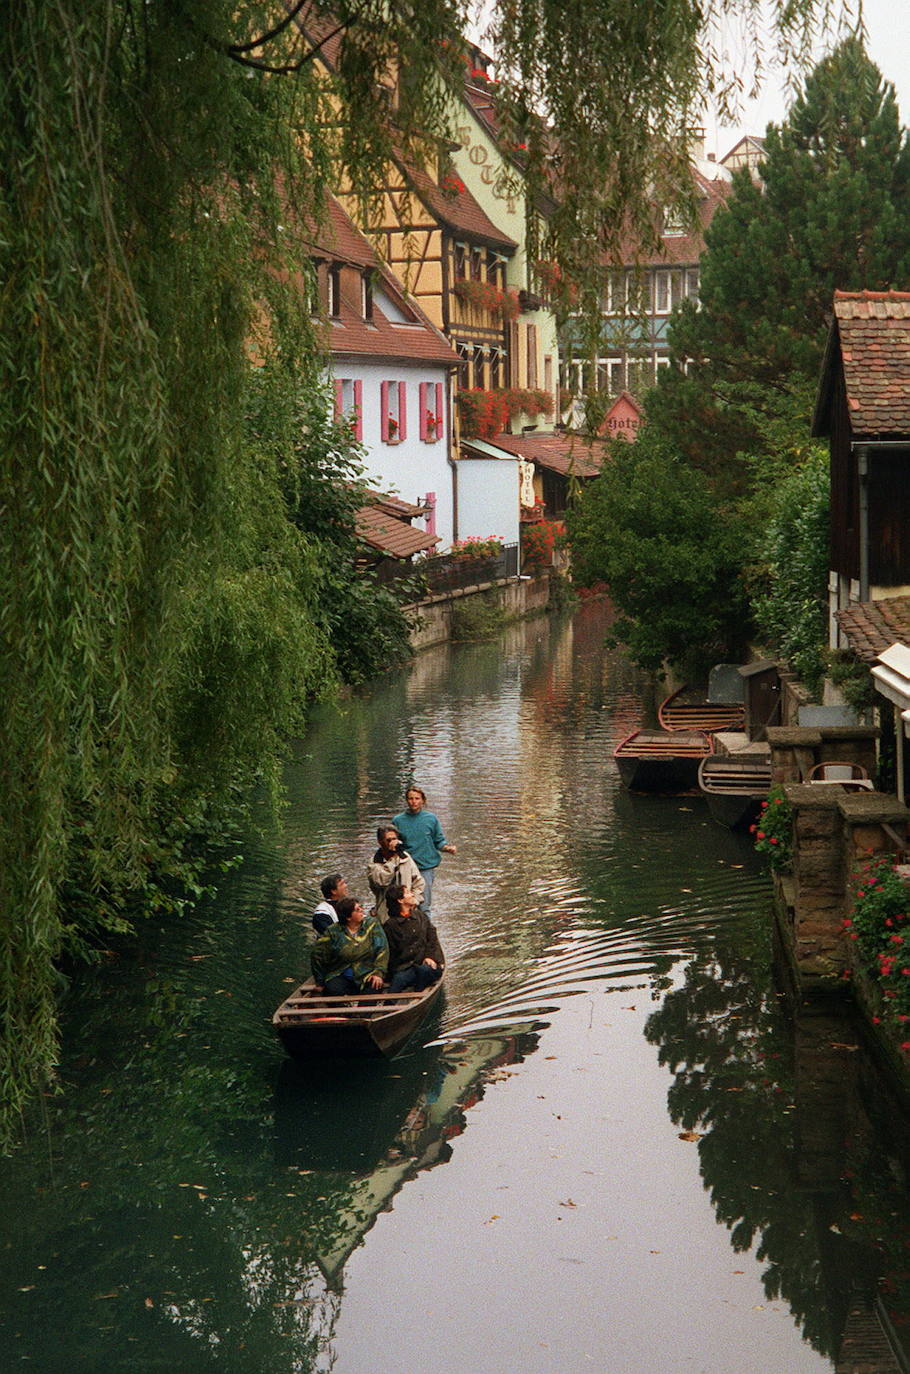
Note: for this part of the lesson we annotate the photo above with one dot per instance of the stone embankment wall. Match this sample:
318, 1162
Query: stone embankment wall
517, 596
835, 831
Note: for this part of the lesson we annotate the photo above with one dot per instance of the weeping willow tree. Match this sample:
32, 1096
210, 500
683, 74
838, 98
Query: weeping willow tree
159, 612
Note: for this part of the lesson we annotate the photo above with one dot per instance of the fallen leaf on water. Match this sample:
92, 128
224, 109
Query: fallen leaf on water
632, 1008
691, 1135
759, 1307
736, 865
29, 1287
568, 1203
654, 1252
85, 1184
99, 1297
289, 980
685, 889
838, 1045
856, 1216
739, 1271
549, 1056
494, 1217
835, 1228
149, 1303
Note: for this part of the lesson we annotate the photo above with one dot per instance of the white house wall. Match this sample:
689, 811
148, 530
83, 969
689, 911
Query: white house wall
412, 467
488, 498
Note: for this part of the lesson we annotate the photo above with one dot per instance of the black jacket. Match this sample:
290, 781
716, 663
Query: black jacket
411, 940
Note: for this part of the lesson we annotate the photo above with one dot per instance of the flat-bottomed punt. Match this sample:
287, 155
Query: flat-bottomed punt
735, 785
680, 713
661, 760
313, 1025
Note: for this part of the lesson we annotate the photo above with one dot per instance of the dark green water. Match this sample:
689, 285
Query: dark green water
512, 1193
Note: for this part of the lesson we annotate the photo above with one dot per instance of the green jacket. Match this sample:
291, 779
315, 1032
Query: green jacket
364, 953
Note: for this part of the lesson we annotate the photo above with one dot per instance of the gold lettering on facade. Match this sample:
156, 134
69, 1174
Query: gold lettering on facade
478, 155
486, 176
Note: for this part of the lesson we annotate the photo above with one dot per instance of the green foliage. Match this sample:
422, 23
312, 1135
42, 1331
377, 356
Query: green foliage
477, 617
774, 829
789, 587
880, 927
650, 528
853, 680
833, 212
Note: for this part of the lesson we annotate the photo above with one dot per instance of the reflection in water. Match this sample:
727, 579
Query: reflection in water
193, 1200
789, 1151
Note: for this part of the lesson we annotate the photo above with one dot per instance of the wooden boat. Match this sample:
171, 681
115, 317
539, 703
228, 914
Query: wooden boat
661, 760
311, 1024
679, 713
735, 785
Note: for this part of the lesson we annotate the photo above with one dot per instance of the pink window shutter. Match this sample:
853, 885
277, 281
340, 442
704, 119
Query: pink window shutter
402, 410
339, 399
438, 412
384, 407
422, 405
358, 410
430, 501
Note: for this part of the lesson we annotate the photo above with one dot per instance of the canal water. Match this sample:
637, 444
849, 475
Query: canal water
614, 1148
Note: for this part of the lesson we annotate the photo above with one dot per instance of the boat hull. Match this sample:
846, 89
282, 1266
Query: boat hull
735, 787
370, 1026
661, 760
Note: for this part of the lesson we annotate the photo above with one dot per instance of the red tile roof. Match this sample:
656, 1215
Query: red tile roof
567, 454
871, 332
351, 335
873, 626
457, 209
680, 248
389, 535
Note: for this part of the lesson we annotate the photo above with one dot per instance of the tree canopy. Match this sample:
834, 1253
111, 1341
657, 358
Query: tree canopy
832, 212
156, 161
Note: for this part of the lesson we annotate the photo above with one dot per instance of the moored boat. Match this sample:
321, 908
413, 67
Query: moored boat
311, 1024
661, 760
679, 712
735, 785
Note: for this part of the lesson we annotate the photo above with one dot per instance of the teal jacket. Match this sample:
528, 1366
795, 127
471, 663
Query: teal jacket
423, 837
364, 953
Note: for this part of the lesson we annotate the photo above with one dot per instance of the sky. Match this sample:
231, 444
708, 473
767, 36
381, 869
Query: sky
888, 40
888, 43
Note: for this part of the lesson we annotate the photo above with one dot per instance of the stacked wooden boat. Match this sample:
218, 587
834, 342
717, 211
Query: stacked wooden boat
661, 760
680, 713
735, 784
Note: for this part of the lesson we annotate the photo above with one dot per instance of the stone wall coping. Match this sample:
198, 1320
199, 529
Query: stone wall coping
849, 732
804, 795
863, 807
793, 736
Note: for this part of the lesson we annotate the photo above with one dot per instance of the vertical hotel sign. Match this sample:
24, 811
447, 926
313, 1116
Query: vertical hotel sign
479, 158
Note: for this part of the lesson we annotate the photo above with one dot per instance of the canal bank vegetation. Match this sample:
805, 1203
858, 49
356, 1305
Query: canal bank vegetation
164, 621
710, 529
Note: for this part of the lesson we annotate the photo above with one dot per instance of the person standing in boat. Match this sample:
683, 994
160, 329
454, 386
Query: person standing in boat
422, 834
416, 959
333, 888
392, 866
353, 954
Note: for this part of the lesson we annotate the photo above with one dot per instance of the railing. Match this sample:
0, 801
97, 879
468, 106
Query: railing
449, 572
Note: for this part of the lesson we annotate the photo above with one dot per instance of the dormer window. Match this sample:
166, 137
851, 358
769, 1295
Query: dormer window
334, 280
366, 294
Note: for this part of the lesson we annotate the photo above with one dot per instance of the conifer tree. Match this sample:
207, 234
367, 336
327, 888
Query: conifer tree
833, 211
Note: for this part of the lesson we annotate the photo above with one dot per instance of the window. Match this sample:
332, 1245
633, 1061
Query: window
496, 367
349, 403
692, 284
461, 254
312, 285
662, 293
335, 290
660, 362
638, 293
476, 264
464, 366
366, 294
394, 416
479, 360
495, 268
615, 293
609, 376
548, 373
431, 415
639, 375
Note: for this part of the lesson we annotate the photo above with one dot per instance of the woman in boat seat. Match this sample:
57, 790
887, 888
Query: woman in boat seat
416, 959
353, 955
392, 866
